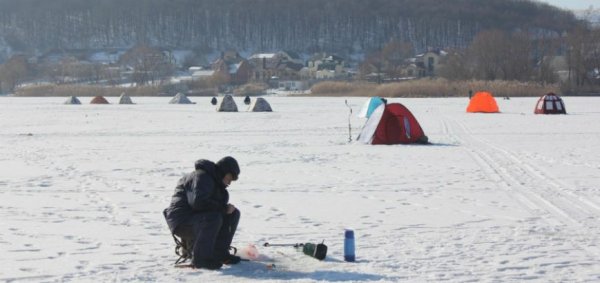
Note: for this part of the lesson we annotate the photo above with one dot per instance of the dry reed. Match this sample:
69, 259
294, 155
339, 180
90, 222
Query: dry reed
432, 88
86, 90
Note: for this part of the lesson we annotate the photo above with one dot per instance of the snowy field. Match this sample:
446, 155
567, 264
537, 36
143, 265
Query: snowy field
507, 197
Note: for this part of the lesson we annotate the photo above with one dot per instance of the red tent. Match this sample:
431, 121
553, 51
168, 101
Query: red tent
550, 104
99, 100
392, 124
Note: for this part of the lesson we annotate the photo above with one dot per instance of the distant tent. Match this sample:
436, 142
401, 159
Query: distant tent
125, 99
260, 105
247, 100
392, 124
180, 98
73, 100
483, 102
370, 105
227, 104
99, 100
550, 104
213, 101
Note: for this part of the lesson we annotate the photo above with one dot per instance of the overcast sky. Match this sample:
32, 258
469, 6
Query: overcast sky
573, 4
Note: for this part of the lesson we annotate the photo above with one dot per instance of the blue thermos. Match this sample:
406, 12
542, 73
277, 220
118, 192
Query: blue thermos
349, 246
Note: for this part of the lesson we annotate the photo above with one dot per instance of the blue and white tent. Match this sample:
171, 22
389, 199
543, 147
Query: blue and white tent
370, 106
180, 98
73, 100
125, 99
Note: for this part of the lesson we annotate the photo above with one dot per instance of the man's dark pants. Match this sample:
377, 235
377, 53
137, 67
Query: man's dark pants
211, 234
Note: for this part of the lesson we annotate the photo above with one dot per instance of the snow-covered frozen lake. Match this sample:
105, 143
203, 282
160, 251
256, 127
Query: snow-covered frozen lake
497, 197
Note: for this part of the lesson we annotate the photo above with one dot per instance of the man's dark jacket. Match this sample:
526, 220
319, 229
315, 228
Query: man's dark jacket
200, 191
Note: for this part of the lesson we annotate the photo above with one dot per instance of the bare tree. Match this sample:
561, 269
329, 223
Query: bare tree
500, 55
149, 64
373, 63
593, 57
14, 72
397, 51
484, 50
394, 55
516, 51
583, 58
456, 65
576, 51
388, 61
546, 47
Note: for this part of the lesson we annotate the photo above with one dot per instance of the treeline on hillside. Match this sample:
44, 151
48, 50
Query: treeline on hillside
343, 26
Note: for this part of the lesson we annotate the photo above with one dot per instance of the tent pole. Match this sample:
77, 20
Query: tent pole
349, 125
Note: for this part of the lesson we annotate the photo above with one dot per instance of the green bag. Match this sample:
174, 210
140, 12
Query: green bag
318, 251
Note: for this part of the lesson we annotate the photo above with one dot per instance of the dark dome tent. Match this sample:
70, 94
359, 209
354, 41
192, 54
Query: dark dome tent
550, 104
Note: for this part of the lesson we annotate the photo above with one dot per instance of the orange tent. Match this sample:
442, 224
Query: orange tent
483, 101
99, 100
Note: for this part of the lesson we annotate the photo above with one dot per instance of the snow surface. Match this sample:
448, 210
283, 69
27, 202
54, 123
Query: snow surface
507, 197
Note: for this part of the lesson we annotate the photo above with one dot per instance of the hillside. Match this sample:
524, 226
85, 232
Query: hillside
590, 15
344, 26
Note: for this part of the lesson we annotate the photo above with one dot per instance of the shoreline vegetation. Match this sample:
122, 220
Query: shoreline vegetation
85, 90
413, 88
433, 88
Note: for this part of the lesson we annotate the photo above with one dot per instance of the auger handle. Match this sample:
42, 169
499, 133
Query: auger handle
283, 245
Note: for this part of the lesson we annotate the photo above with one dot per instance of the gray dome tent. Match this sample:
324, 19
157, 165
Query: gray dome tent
73, 100
125, 99
227, 104
260, 105
180, 98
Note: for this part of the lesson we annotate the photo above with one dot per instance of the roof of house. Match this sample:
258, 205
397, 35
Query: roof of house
233, 68
292, 55
203, 73
290, 65
327, 66
438, 52
334, 58
263, 56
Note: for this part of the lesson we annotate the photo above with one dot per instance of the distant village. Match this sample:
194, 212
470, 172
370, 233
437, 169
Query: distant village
288, 71
184, 71
284, 70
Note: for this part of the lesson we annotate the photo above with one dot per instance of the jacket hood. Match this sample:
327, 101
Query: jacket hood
228, 164
207, 166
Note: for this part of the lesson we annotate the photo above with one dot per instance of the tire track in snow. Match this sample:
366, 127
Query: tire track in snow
558, 194
494, 172
542, 194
